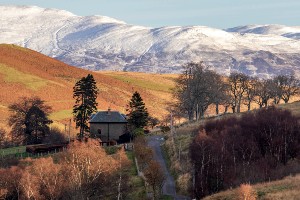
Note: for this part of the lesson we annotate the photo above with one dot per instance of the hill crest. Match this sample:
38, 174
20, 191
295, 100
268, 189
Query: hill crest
103, 43
24, 72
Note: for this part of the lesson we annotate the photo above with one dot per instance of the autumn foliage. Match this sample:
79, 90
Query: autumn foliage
259, 146
246, 192
84, 171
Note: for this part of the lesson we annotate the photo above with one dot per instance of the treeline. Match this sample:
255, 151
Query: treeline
84, 171
198, 87
259, 146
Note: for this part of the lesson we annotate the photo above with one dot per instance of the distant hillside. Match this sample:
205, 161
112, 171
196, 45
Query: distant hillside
24, 72
103, 43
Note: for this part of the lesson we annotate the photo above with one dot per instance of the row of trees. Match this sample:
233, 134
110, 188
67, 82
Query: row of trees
198, 88
256, 147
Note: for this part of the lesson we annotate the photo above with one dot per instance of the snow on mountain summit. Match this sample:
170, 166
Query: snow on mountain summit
272, 29
104, 43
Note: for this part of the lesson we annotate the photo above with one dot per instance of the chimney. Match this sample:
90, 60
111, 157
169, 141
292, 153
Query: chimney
108, 111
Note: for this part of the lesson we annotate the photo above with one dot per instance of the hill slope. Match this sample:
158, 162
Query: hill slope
98, 42
287, 188
24, 72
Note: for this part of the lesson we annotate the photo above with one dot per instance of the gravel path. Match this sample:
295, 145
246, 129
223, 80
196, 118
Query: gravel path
169, 186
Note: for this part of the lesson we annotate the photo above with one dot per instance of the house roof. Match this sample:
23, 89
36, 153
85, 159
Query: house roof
108, 117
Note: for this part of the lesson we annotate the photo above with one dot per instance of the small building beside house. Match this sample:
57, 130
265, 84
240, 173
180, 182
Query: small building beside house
108, 125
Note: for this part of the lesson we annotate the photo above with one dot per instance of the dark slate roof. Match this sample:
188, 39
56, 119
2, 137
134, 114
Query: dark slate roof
108, 117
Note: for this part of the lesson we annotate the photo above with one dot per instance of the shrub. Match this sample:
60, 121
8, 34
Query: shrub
56, 136
165, 129
155, 177
138, 132
246, 192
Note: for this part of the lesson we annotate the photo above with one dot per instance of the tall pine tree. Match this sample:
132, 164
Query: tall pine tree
85, 93
137, 112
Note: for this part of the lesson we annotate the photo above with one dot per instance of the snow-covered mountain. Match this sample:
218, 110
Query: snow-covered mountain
273, 29
103, 43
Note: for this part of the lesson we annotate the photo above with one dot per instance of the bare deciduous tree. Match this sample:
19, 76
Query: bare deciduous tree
288, 86
238, 85
155, 177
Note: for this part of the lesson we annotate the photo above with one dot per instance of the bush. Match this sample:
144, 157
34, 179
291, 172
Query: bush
3, 139
56, 136
246, 192
155, 177
165, 129
138, 132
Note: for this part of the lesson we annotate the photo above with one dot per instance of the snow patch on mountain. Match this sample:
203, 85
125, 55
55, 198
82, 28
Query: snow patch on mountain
103, 43
272, 29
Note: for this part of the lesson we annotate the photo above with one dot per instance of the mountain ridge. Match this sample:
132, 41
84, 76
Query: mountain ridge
103, 43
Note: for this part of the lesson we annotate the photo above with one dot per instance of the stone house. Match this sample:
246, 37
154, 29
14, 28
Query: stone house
108, 125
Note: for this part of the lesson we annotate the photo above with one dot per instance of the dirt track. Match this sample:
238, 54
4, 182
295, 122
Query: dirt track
169, 185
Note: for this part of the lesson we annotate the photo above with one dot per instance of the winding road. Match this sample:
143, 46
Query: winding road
155, 143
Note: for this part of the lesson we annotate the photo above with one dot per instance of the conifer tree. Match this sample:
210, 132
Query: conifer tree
137, 112
85, 93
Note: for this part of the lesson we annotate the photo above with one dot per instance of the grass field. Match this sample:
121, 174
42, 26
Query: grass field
287, 188
154, 82
30, 81
12, 151
61, 115
26, 73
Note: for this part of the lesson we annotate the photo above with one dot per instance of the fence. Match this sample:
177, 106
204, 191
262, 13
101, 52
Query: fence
19, 154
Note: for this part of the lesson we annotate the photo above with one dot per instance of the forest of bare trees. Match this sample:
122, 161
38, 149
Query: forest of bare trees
259, 146
84, 171
198, 87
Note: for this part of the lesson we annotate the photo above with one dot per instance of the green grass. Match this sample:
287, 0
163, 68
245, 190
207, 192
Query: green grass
110, 150
60, 115
13, 151
142, 83
261, 192
14, 76
293, 107
137, 184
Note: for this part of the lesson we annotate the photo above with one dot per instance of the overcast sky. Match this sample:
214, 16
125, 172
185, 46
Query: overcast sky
156, 13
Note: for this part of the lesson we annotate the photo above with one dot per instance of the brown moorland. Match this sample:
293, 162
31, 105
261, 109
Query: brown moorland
24, 72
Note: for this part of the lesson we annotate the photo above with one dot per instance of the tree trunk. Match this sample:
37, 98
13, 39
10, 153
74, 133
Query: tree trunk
191, 114
238, 108
249, 106
217, 108
233, 109
226, 109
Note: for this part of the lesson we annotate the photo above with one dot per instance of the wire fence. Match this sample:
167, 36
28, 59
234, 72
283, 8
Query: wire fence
19, 154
